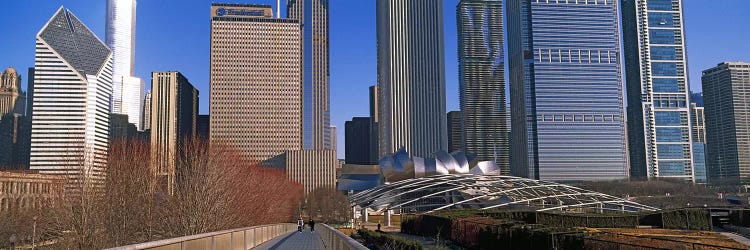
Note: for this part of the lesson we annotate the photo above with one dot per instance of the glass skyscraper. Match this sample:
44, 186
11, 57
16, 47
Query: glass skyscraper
316, 117
481, 74
566, 90
127, 91
658, 90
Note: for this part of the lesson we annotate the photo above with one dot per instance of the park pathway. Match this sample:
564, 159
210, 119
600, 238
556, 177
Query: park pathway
305, 240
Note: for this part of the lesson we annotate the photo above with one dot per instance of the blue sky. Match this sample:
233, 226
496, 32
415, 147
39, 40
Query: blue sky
174, 35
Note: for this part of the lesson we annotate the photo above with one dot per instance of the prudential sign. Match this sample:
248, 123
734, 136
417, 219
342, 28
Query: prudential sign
239, 12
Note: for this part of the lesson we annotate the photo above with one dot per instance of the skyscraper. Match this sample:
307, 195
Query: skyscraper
357, 140
174, 117
566, 90
374, 125
72, 89
14, 141
127, 92
203, 127
12, 98
699, 141
658, 97
256, 88
481, 74
411, 76
726, 88
316, 120
147, 111
455, 128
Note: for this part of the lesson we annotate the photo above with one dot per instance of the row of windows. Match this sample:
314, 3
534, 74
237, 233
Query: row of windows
672, 135
663, 36
576, 56
595, 2
578, 118
670, 118
663, 85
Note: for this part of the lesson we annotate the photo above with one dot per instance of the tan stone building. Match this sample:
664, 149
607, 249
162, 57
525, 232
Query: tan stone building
174, 114
312, 168
256, 85
21, 191
12, 99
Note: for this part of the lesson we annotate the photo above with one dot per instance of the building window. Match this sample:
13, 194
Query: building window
660, 19
660, 4
663, 53
666, 85
668, 134
662, 36
669, 151
664, 68
668, 118
668, 168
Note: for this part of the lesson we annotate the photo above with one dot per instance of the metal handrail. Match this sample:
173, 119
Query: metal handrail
336, 240
248, 237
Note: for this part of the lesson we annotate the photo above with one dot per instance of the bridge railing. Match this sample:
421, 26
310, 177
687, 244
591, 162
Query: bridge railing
336, 240
241, 238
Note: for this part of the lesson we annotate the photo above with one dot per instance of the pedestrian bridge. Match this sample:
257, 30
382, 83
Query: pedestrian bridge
278, 236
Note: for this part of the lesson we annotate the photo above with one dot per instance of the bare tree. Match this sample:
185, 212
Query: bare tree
215, 189
328, 205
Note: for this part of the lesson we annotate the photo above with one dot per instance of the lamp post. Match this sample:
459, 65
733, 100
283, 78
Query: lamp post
33, 235
12, 241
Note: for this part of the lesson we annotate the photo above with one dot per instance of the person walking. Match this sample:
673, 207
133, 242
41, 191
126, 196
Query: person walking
312, 225
300, 224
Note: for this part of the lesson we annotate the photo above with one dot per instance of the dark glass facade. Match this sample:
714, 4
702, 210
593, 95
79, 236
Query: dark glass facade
658, 110
567, 112
358, 141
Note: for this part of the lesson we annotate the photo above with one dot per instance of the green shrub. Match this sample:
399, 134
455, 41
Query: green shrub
525, 216
690, 219
378, 240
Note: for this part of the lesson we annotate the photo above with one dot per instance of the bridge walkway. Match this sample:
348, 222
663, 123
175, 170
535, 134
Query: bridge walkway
305, 240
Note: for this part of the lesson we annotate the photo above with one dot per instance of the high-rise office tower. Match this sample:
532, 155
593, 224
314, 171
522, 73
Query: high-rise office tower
14, 141
699, 141
174, 116
726, 88
411, 76
203, 127
481, 74
658, 106
316, 120
455, 127
311, 168
357, 141
120, 128
566, 90
12, 98
72, 89
256, 88
147, 111
332, 139
374, 126
127, 92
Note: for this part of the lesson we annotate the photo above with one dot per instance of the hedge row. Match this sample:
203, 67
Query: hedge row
689, 219
376, 240
593, 221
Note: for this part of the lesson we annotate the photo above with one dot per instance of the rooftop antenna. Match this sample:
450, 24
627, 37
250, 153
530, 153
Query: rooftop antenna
278, 8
